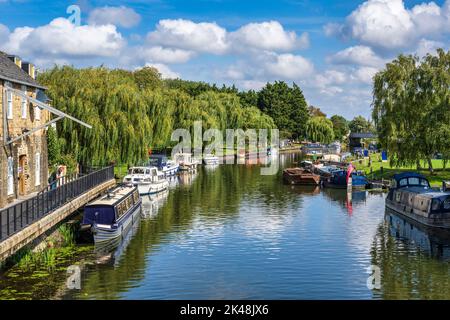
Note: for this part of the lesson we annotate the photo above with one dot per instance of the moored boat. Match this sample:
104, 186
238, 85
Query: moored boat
186, 162
410, 194
339, 180
300, 176
149, 180
210, 159
166, 166
112, 216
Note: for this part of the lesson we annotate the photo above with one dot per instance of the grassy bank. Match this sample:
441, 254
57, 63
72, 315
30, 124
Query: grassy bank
382, 170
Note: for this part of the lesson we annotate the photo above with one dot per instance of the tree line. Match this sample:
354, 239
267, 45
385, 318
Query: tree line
134, 111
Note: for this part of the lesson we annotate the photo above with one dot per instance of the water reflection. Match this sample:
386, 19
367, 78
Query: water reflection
152, 203
433, 241
231, 233
110, 252
413, 259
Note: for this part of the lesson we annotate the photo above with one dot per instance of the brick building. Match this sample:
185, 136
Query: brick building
23, 163
25, 117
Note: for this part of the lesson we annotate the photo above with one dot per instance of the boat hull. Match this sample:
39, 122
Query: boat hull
211, 161
152, 188
104, 234
413, 214
331, 185
299, 178
170, 171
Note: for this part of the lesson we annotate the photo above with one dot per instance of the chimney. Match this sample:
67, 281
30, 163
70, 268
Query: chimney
29, 68
16, 60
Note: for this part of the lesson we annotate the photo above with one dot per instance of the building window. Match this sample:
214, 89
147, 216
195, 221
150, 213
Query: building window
24, 103
10, 176
37, 168
9, 111
37, 113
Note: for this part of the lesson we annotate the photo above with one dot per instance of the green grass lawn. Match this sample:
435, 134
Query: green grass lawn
435, 179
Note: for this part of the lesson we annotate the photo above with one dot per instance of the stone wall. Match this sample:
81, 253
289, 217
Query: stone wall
27, 147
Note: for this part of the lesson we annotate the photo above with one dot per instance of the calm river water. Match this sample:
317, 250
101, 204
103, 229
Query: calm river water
231, 233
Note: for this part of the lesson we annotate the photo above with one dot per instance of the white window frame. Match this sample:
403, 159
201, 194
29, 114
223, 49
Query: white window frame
10, 169
24, 103
37, 169
9, 101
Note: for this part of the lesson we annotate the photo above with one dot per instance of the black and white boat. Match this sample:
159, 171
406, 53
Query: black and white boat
149, 180
112, 216
411, 195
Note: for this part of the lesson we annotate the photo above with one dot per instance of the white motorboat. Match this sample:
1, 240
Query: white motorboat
210, 159
149, 180
186, 162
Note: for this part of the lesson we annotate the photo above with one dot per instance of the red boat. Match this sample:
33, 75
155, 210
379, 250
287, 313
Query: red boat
300, 176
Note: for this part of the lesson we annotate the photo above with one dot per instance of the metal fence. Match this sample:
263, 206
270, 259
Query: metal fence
22, 214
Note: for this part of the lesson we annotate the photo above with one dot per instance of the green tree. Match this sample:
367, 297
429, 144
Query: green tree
320, 129
130, 115
147, 78
316, 112
287, 106
340, 127
249, 98
411, 108
53, 146
360, 124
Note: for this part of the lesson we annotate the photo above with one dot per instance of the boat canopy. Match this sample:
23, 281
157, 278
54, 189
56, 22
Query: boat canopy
409, 179
157, 160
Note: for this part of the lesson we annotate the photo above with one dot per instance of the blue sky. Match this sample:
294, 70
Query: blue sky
330, 48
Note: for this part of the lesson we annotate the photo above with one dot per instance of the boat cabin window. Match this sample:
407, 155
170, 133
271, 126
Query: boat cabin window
136, 171
413, 181
136, 196
147, 171
124, 206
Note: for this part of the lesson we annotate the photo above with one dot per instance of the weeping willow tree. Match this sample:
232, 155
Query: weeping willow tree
411, 108
320, 129
131, 112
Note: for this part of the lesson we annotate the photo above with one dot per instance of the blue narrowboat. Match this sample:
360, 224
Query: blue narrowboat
410, 194
111, 216
338, 180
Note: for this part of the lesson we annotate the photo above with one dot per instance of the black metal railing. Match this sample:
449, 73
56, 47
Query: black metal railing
22, 214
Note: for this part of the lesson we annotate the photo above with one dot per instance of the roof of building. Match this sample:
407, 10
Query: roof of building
9, 71
362, 135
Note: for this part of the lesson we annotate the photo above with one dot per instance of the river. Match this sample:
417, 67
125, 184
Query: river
231, 233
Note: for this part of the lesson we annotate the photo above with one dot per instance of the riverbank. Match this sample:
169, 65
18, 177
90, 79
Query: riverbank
382, 170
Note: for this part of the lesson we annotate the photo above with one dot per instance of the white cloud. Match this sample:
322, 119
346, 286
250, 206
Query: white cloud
267, 36
4, 33
119, 16
165, 55
62, 39
165, 71
428, 46
359, 55
287, 66
388, 25
251, 84
188, 35
365, 74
